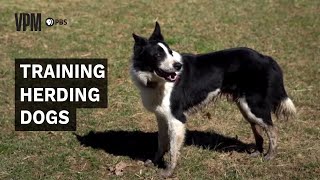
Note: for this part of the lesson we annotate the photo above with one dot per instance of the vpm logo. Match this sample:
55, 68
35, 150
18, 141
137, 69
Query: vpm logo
25, 20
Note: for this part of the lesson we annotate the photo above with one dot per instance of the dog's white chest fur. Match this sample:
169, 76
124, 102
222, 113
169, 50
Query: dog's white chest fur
155, 99
163, 108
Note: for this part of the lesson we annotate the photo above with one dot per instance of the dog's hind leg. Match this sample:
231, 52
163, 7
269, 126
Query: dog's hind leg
256, 129
273, 137
259, 115
257, 132
177, 135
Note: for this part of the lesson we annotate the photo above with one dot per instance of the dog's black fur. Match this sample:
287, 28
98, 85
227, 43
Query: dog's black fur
239, 72
172, 84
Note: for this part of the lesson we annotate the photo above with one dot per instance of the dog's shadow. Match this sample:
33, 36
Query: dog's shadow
143, 145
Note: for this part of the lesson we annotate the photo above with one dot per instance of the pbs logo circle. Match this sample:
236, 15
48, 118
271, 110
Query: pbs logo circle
49, 22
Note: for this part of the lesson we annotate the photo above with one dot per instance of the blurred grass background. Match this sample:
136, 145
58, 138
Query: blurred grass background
288, 30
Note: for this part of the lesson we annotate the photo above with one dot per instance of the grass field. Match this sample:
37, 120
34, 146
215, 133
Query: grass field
288, 30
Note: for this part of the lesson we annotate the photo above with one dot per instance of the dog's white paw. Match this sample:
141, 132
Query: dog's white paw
269, 157
148, 163
166, 173
255, 153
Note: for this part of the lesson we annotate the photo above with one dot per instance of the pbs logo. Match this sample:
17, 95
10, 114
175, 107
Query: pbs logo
49, 22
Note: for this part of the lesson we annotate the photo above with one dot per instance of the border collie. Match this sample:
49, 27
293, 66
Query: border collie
172, 85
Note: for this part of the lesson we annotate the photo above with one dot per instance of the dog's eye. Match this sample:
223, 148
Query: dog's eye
157, 55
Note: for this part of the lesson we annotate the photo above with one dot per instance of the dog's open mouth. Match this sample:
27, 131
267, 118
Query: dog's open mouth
169, 76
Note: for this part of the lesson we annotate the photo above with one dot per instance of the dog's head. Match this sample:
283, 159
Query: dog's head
154, 60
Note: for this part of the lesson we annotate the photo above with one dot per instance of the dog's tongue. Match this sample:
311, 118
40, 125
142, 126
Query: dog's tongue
172, 76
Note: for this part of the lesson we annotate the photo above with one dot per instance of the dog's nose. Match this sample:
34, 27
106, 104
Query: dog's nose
177, 66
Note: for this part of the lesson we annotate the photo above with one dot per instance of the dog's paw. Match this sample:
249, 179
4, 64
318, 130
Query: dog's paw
255, 153
148, 163
269, 157
166, 173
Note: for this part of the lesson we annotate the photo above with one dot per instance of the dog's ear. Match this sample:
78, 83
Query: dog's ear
139, 40
156, 35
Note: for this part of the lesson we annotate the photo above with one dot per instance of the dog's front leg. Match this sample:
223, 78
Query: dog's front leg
163, 141
176, 135
163, 138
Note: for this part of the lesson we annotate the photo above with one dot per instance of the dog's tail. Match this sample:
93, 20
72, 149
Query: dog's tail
285, 109
283, 106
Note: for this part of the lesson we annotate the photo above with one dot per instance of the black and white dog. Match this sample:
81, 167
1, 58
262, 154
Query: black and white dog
172, 85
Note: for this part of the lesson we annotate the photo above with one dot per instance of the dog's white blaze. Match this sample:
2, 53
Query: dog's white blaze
169, 60
177, 56
250, 116
165, 49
